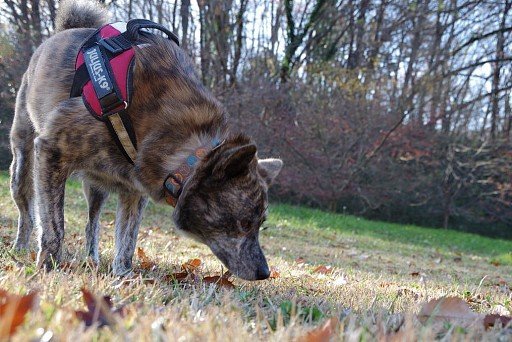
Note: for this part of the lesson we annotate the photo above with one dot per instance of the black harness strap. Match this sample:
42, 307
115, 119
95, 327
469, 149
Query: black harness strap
134, 26
80, 79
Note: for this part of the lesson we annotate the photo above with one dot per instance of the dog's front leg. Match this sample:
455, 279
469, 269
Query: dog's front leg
49, 185
128, 217
96, 198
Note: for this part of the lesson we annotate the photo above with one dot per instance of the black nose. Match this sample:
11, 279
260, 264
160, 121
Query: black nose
262, 273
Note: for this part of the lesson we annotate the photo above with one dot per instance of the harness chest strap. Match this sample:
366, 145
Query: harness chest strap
122, 135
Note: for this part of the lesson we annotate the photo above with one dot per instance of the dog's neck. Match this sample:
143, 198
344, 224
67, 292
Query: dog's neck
194, 151
189, 148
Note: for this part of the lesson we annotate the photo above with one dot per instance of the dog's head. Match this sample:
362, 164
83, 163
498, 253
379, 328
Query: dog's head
224, 204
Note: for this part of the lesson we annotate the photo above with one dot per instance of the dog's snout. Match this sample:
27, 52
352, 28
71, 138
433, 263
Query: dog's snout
262, 273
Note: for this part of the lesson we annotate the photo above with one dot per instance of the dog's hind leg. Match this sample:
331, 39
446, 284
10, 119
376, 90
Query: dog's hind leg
22, 187
49, 185
95, 200
128, 217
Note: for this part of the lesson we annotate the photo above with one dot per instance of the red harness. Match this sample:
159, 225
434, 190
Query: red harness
103, 76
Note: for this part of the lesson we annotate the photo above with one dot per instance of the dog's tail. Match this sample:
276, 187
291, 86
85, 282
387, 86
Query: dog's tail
80, 13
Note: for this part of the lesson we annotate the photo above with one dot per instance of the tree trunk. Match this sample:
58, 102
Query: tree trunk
496, 75
239, 40
204, 43
508, 117
184, 13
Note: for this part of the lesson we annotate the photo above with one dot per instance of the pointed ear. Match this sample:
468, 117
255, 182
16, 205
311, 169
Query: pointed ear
234, 161
269, 168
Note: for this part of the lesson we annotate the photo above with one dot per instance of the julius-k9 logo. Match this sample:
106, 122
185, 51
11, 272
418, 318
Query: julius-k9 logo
97, 71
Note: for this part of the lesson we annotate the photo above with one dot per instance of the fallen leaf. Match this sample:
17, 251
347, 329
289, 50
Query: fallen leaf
447, 309
33, 256
490, 320
323, 333
145, 261
274, 273
99, 310
415, 274
221, 281
300, 261
191, 265
323, 269
13, 309
179, 276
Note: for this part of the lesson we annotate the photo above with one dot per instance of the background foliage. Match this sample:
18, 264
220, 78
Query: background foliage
397, 110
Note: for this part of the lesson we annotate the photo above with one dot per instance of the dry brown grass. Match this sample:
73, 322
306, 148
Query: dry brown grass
373, 287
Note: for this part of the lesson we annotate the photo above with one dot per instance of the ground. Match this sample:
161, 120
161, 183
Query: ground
381, 275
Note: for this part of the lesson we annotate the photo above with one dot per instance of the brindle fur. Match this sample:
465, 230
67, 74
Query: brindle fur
222, 204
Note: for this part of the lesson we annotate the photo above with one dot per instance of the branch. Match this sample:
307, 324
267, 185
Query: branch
477, 38
472, 65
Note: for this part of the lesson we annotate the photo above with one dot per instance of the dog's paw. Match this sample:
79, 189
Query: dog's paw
122, 272
47, 261
19, 246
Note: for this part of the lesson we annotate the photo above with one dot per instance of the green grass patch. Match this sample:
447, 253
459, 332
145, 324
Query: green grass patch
440, 239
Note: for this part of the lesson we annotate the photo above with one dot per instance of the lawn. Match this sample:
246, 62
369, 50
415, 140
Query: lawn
379, 275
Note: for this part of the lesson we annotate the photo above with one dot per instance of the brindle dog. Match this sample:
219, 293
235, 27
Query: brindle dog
223, 202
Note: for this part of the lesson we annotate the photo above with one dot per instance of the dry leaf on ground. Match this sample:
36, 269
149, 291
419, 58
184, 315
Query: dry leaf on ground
447, 309
188, 268
322, 269
274, 273
99, 310
191, 265
145, 261
323, 333
221, 281
13, 309
300, 261
178, 276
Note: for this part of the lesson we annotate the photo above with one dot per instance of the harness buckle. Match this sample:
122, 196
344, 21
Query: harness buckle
110, 102
115, 45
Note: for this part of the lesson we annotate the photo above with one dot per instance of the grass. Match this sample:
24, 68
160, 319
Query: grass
382, 273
